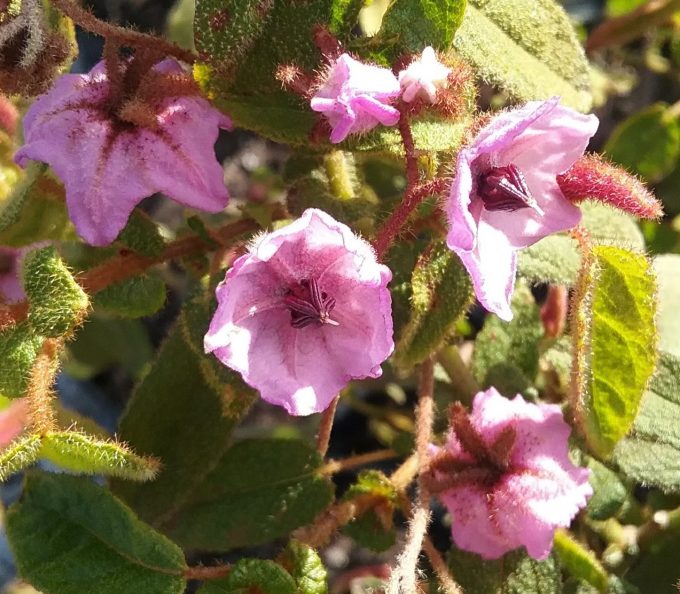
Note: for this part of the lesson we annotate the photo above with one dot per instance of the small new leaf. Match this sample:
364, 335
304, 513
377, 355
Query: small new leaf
305, 566
19, 347
82, 453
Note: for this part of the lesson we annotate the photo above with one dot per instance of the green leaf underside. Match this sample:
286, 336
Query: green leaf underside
651, 454
514, 573
260, 490
253, 575
71, 536
526, 47
614, 330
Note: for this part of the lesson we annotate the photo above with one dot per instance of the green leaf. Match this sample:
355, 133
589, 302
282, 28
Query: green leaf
200, 402
34, 211
368, 531
556, 259
415, 24
667, 269
105, 342
253, 575
613, 329
71, 536
345, 16
260, 490
651, 454
19, 455
506, 354
82, 453
579, 561
442, 292
656, 572
19, 347
305, 566
647, 143
514, 573
141, 235
57, 303
133, 298
609, 493
526, 47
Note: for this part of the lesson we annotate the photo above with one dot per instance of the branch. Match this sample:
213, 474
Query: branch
323, 437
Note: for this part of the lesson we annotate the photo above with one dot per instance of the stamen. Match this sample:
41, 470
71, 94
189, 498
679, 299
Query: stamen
308, 305
504, 188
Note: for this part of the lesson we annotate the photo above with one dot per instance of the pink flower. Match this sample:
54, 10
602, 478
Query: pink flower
423, 77
11, 290
505, 195
306, 310
13, 419
109, 164
355, 97
505, 476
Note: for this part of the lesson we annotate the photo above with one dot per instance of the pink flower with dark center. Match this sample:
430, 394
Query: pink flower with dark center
11, 290
109, 164
355, 97
305, 311
505, 476
505, 195
423, 77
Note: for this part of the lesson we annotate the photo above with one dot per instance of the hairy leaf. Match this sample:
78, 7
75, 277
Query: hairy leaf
579, 561
609, 492
141, 235
526, 47
19, 455
651, 454
82, 453
261, 489
19, 347
133, 298
253, 575
71, 536
57, 303
613, 329
306, 567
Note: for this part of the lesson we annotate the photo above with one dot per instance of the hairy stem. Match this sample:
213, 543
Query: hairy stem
39, 394
323, 437
334, 466
339, 176
125, 37
207, 573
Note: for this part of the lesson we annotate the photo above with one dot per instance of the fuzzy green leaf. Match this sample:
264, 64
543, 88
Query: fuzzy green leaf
19, 347
201, 402
651, 454
84, 454
305, 566
261, 489
609, 492
253, 575
502, 347
141, 235
34, 211
514, 573
133, 298
613, 329
57, 303
526, 47
579, 562
442, 292
647, 143
71, 536
19, 455
667, 269
415, 24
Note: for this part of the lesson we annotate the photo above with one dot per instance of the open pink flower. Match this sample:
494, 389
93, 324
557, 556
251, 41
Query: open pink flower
505, 195
355, 97
423, 77
306, 310
109, 165
505, 476
11, 289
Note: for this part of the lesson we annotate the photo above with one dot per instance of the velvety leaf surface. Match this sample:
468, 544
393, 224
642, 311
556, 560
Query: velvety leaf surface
133, 298
19, 347
526, 47
614, 330
651, 454
253, 575
261, 489
305, 566
71, 536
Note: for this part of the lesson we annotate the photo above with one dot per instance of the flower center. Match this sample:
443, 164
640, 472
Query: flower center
504, 188
308, 305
